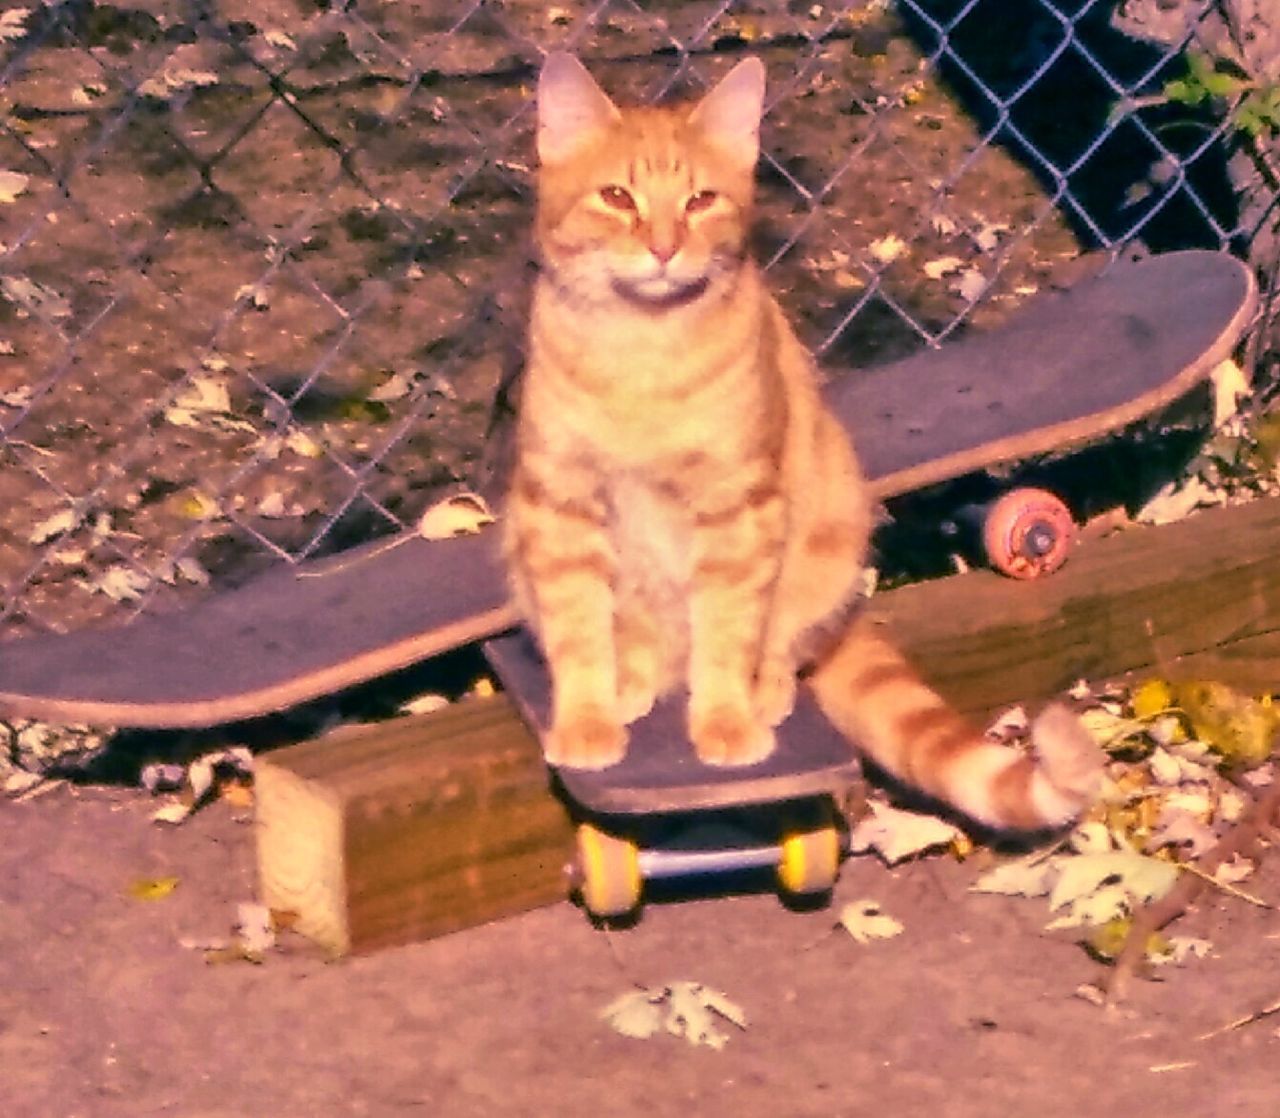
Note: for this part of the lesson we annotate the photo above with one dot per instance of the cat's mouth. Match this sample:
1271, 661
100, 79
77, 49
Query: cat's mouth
660, 292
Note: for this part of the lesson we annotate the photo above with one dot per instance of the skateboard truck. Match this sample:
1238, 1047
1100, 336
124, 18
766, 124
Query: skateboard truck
609, 870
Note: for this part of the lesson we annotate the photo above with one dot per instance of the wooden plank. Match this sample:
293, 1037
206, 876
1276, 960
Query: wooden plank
399, 831
1201, 597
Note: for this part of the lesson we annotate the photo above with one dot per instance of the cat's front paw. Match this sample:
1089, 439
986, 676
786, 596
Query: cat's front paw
726, 736
586, 738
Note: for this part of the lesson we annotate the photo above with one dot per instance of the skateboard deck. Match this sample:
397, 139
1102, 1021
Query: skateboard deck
1072, 366
660, 772
288, 636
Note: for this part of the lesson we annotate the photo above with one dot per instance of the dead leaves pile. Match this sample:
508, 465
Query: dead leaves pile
1184, 760
1238, 463
221, 774
35, 755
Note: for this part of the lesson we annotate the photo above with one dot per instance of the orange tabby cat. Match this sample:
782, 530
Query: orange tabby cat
684, 511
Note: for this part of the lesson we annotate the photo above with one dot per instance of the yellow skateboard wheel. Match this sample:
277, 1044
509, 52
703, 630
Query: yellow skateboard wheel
610, 867
810, 861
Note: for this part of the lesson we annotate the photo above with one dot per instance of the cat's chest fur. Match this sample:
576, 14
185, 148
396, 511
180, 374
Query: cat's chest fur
652, 534
649, 393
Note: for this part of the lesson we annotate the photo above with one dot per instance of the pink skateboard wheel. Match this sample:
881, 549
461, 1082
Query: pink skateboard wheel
1027, 533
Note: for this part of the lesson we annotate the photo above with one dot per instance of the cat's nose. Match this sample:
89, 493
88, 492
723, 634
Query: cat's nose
664, 251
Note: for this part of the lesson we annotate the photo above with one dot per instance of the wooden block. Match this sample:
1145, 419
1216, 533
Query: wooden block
384, 834
1196, 598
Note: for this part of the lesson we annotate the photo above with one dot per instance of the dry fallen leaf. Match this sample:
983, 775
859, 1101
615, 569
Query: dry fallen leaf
12, 184
13, 24
1176, 502
942, 266
684, 1009
1023, 878
120, 583
1234, 725
888, 248
1181, 949
459, 515
1230, 386
970, 284
865, 920
56, 525
35, 298
897, 834
425, 704
151, 888
172, 813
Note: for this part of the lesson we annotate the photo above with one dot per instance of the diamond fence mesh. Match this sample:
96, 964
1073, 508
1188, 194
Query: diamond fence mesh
262, 263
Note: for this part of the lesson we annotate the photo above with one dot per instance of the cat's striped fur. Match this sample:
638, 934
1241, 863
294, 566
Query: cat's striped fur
684, 510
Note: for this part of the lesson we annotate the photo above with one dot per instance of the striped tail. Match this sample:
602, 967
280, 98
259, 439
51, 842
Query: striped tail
874, 697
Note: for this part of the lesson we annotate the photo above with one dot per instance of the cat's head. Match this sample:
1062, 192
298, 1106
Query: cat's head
647, 205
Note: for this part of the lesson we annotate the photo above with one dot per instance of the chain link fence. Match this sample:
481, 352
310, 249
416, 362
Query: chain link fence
262, 263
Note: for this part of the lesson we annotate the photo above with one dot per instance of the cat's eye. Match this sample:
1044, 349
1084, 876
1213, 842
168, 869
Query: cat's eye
699, 201
617, 198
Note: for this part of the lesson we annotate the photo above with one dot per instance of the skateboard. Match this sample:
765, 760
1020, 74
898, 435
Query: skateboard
1072, 367
661, 813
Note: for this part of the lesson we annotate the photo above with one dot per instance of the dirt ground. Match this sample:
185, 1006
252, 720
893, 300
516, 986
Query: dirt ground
970, 1012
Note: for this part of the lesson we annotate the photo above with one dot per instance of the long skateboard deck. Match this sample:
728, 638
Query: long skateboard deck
1071, 367
287, 636
661, 772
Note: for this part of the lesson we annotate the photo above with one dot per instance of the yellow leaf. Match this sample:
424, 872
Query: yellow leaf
1107, 940
151, 888
237, 793
198, 506
1152, 698
1236, 726
1266, 433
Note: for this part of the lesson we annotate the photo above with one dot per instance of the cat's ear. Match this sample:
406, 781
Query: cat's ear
730, 114
571, 107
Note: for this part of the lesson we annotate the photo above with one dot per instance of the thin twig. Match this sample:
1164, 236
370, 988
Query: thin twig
1225, 886
1240, 1022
